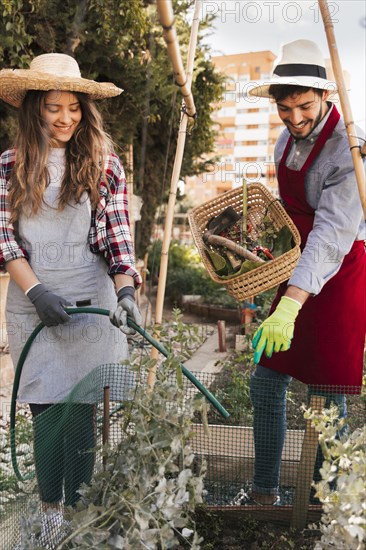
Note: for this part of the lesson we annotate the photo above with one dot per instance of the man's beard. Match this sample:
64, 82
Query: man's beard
315, 124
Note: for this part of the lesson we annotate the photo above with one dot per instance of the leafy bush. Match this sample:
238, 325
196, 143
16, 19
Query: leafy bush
343, 487
145, 496
232, 388
186, 275
180, 257
179, 338
263, 302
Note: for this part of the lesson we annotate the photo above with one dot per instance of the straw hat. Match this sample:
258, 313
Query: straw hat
300, 63
51, 71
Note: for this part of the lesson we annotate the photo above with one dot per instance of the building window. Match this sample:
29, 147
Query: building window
251, 142
250, 159
251, 126
258, 110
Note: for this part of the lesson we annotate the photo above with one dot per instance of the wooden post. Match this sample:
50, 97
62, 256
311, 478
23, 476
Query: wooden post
165, 11
248, 315
306, 468
129, 180
166, 17
345, 103
144, 273
222, 335
105, 430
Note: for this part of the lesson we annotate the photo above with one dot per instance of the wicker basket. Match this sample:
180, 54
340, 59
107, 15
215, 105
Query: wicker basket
260, 203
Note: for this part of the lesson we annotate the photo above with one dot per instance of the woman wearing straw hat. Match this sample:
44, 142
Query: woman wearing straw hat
306, 335
64, 240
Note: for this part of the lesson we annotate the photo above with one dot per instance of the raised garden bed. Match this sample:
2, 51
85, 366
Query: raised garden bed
213, 312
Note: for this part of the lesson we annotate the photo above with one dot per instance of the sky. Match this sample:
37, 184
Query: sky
244, 26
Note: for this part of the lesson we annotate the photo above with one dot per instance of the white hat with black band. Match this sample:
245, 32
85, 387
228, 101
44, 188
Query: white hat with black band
300, 63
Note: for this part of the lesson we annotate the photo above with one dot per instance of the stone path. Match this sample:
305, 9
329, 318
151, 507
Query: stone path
207, 356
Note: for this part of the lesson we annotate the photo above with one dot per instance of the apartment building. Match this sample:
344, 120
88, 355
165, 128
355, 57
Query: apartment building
248, 128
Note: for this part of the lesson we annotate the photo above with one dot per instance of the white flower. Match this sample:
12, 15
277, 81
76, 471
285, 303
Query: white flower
176, 445
356, 532
187, 533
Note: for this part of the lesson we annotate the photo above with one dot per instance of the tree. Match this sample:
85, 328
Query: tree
121, 42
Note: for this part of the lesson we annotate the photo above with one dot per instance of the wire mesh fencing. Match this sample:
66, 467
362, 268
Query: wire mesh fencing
55, 450
266, 457
265, 447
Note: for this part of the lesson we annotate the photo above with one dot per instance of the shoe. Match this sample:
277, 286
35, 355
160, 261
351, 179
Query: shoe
245, 499
54, 528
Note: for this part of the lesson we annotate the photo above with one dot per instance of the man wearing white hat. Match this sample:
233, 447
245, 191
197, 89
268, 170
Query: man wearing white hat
306, 335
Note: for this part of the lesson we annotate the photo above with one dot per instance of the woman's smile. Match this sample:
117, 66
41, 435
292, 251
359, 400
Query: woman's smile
62, 113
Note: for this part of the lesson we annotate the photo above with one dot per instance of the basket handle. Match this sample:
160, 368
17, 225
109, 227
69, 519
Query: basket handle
235, 247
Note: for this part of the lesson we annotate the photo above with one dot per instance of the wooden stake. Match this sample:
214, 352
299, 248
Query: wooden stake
245, 213
345, 103
166, 16
106, 407
306, 468
221, 328
248, 316
130, 190
165, 6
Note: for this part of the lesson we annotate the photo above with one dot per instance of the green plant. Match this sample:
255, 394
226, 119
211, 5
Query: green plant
180, 257
232, 387
249, 529
179, 338
186, 275
181, 281
24, 427
263, 302
209, 526
7, 482
215, 294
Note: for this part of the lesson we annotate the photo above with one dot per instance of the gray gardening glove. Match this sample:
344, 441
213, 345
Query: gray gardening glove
49, 306
126, 307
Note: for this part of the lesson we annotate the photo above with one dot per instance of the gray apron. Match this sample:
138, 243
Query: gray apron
62, 356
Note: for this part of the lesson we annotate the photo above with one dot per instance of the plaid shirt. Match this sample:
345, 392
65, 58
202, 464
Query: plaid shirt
109, 233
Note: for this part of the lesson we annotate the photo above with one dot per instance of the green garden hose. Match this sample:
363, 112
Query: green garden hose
96, 311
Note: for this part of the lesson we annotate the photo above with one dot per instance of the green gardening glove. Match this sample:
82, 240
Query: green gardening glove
276, 332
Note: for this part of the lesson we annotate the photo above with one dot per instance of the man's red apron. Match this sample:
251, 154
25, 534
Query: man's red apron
329, 336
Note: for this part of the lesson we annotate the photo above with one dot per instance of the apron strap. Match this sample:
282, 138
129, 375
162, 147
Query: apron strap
324, 135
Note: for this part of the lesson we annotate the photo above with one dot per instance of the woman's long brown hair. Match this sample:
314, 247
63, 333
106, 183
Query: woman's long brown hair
85, 157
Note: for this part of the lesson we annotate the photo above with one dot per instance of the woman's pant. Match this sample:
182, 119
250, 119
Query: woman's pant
64, 443
268, 396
